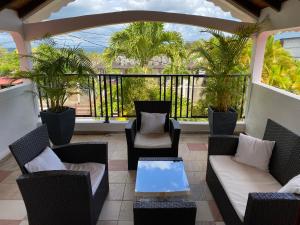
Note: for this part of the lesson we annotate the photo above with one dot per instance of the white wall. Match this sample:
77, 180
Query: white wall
18, 114
287, 18
270, 102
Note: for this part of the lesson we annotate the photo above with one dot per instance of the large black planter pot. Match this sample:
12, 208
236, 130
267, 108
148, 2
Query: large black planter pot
222, 122
60, 125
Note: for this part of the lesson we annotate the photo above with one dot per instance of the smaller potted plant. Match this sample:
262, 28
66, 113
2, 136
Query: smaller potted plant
59, 73
219, 58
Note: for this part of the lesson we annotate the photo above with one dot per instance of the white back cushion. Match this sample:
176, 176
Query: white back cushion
293, 186
254, 152
47, 160
153, 123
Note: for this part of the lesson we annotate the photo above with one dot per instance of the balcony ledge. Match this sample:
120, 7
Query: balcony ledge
90, 126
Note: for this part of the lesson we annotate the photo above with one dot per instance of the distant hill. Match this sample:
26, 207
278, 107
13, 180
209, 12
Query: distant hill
88, 49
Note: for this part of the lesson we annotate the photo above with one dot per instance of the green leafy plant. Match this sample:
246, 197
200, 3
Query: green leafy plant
141, 41
59, 73
219, 57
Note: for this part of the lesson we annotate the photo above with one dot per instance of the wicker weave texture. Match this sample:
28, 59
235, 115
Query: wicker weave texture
164, 213
285, 160
31, 145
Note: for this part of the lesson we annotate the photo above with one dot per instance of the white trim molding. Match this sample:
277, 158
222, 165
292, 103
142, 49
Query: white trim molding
38, 30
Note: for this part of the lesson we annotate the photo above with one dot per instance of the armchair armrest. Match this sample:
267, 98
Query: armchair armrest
130, 131
52, 197
83, 152
272, 208
222, 144
174, 132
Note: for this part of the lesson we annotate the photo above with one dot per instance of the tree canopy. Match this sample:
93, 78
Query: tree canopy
141, 41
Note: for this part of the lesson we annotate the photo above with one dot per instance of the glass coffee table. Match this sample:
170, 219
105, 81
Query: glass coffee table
161, 177
162, 191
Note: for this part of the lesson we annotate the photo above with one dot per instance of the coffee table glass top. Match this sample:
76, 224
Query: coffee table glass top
161, 177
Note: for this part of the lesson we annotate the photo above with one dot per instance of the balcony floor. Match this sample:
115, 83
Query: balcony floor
118, 207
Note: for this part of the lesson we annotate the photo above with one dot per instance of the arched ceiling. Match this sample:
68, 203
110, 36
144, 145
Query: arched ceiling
26, 7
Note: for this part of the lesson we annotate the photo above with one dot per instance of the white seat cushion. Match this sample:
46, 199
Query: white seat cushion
238, 180
96, 172
152, 140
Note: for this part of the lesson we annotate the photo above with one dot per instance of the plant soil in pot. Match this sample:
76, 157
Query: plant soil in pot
222, 122
60, 125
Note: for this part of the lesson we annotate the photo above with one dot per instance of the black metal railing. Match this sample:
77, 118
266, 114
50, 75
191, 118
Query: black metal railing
112, 95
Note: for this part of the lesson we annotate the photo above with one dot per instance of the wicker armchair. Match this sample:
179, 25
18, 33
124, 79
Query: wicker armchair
271, 208
60, 197
132, 129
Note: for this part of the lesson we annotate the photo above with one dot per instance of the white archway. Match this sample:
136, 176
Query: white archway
33, 31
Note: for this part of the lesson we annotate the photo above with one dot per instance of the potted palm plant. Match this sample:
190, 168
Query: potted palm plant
59, 73
219, 58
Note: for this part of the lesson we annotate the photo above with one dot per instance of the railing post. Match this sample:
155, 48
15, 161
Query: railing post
176, 93
105, 100
243, 97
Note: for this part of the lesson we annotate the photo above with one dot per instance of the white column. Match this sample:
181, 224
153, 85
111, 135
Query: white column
24, 50
256, 65
258, 55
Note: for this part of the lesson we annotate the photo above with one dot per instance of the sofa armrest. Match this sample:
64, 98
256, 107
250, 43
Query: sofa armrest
222, 144
272, 208
53, 197
83, 152
130, 131
174, 132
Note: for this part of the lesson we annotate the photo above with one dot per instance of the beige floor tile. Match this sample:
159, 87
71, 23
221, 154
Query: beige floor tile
9, 164
182, 147
12, 210
24, 222
107, 222
118, 176
196, 177
194, 138
205, 223
129, 192
10, 222
11, 179
119, 155
131, 177
4, 174
116, 192
194, 165
203, 211
126, 212
110, 210
125, 223
199, 155
215, 211
10, 192
220, 223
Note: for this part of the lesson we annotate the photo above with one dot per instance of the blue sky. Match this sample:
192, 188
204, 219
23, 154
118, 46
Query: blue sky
98, 38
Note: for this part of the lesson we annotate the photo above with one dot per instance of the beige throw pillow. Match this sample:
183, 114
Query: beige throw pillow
254, 152
45, 161
153, 123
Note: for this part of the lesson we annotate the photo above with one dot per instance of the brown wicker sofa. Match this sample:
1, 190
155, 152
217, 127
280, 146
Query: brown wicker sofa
262, 208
